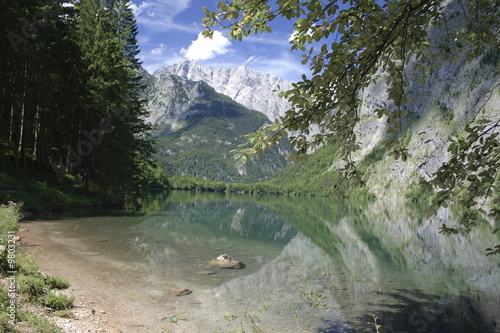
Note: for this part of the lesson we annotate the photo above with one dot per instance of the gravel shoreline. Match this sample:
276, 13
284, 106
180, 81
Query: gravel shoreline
97, 307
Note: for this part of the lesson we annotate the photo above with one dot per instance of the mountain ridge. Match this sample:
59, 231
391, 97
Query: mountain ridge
254, 90
457, 94
196, 130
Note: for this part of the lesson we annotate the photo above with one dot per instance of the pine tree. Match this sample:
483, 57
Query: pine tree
106, 31
36, 61
69, 90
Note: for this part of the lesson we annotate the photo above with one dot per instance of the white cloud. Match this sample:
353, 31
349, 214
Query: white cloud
251, 60
292, 36
140, 8
158, 15
206, 48
283, 65
159, 55
159, 50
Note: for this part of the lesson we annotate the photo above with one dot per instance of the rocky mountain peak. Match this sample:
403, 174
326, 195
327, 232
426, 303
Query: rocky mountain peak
257, 91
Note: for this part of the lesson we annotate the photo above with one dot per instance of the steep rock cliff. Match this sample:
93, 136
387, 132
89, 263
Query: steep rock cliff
256, 91
459, 93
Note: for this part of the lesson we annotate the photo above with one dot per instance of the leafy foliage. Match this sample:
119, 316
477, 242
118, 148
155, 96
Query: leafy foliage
475, 161
349, 45
361, 39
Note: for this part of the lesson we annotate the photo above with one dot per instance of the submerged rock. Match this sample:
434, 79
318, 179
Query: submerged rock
180, 291
225, 261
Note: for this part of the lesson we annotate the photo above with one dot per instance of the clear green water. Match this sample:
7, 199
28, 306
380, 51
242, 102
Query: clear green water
380, 258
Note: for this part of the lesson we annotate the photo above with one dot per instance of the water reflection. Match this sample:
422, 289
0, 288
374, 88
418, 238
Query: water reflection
186, 234
368, 258
377, 258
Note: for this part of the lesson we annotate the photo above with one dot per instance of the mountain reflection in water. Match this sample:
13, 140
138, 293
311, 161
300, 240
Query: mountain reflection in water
367, 258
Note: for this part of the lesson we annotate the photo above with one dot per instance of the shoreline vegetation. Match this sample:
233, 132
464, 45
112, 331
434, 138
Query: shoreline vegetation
28, 298
41, 191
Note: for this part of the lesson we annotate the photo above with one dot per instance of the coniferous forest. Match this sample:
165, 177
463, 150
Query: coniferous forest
70, 93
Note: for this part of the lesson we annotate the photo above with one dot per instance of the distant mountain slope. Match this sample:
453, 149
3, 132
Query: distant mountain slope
441, 105
147, 80
256, 91
460, 93
197, 128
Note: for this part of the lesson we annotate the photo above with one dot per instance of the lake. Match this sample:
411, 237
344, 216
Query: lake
311, 264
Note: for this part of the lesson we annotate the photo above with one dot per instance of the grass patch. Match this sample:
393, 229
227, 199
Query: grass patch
30, 322
54, 282
26, 265
4, 299
59, 302
31, 286
4, 323
9, 215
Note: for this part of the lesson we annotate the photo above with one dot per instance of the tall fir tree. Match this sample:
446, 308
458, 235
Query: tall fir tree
37, 63
106, 31
69, 90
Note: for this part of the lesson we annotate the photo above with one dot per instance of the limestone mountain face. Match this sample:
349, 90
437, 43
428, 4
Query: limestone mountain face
457, 94
254, 90
197, 130
147, 80
448, 99
172, 100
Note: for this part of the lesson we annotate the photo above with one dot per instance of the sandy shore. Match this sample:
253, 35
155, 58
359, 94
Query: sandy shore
106, 299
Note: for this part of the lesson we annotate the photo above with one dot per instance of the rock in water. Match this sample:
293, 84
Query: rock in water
180, 291
225, 261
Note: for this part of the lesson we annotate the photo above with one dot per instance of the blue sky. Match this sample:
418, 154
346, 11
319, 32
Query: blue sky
169, 32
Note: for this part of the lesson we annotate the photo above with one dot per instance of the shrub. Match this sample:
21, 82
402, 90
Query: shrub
26, 265
54, 282
59, 301
30, 285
